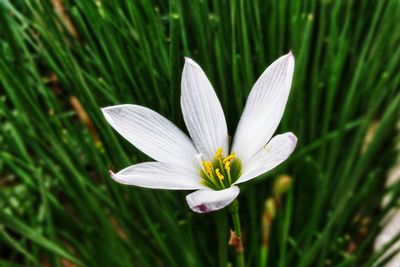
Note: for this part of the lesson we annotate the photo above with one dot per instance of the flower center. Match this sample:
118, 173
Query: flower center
220, 173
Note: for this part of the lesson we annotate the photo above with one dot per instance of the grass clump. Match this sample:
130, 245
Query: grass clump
62, 60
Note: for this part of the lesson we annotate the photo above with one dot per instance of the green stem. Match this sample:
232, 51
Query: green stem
222, 224
234, 210
264, 256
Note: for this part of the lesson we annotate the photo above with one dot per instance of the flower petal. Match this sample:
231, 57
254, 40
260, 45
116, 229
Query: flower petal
206, 200
158, 175
152, 134
264, 108
202, 111
274, 153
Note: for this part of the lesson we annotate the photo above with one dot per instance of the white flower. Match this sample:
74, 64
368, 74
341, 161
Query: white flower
206, 162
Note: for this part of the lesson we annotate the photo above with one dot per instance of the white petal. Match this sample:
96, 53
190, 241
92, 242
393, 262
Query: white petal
158, 175
152, 134
274, 153
264, 108
202, 111
206, 200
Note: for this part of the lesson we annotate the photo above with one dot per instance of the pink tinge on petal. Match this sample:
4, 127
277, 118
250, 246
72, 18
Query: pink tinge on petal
293, 138
202, 208
207, 200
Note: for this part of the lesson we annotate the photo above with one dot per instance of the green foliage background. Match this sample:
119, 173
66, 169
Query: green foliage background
58, 205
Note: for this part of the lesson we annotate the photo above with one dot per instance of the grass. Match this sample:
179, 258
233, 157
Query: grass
60, 61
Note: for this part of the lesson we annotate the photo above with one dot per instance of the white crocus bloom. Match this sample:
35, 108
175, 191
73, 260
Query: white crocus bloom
206, 162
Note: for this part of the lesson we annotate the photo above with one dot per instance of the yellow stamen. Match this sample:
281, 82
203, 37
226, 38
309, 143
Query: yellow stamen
208, 169
228, 167
220, 176
207, 166
230, 157
218, 154
228, 170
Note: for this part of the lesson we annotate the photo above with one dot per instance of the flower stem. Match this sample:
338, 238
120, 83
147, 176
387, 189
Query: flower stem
222, 224
236, 240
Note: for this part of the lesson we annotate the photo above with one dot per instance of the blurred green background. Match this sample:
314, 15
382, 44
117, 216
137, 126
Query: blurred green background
61, 60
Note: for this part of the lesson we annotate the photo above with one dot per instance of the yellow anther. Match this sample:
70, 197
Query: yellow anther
228, 167
220, 176
207, 166
218, 154
230, 157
